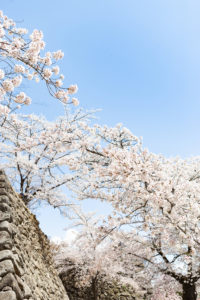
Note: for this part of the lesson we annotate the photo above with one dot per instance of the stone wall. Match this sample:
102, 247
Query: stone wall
105, 289
26, 266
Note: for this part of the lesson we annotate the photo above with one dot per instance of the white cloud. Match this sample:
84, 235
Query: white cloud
56, 239
69, 237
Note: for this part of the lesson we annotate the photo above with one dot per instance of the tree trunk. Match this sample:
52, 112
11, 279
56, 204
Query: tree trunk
94, 288
189, 291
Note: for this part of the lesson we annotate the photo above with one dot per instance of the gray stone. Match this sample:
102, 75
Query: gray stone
2, 184
6, 226
3, 178
5, 254
9, 295
5, 240
3, 191
6, 266
26, 289
5, 207
7, 288
18, 270
4, 199
10, 280
5, 216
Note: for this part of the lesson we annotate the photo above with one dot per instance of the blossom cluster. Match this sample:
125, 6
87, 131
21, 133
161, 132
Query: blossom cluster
23, 58
34, 152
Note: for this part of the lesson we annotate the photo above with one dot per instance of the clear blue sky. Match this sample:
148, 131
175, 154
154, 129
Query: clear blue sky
137, 60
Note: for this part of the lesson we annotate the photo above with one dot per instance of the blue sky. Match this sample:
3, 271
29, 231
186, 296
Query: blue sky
137, 60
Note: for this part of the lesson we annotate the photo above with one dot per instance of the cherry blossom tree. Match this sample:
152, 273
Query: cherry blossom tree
22, 58
35, 154
155, 199
31, 148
